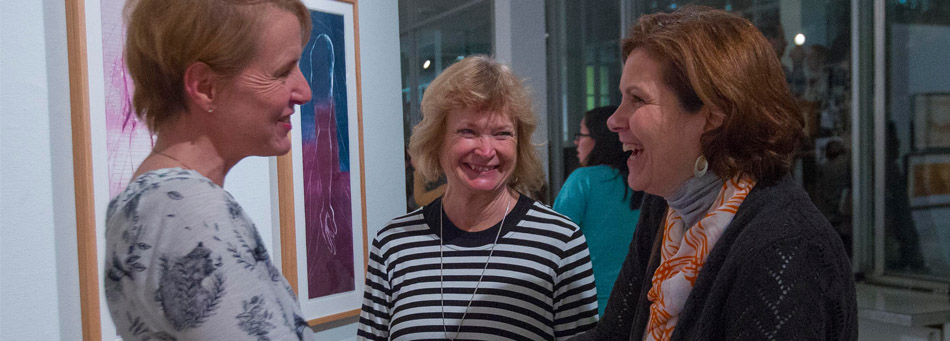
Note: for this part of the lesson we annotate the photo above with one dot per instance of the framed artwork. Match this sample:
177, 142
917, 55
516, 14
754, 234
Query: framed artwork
931, 121
108, 141
321, 181
928, 180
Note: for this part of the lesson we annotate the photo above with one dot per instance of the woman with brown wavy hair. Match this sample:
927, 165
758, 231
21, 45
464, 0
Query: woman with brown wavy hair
728, 246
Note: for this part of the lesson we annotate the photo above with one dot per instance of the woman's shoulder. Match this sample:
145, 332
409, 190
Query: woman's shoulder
169, 186
413, 222
782, 211
595, 172
537, 213
582, 179
167, 177
783, 200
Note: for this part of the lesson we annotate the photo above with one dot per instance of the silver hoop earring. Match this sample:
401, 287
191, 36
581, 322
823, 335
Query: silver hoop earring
701, 166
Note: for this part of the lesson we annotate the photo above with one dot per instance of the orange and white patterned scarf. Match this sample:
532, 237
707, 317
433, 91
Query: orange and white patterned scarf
683, 254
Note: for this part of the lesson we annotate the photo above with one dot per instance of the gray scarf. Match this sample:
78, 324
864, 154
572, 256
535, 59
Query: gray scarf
695, 196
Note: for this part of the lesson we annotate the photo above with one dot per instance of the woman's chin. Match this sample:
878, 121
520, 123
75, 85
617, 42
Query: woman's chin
483, 185
279, 148
634, 184
281, 151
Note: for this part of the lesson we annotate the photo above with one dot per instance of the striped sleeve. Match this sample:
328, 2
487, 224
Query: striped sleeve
575, 294
377, 306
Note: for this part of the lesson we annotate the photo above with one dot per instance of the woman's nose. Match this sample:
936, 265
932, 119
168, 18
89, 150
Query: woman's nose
616, 121
486, 146
300, 91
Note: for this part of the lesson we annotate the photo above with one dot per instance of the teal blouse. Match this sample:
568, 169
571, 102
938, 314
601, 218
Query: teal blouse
593, 197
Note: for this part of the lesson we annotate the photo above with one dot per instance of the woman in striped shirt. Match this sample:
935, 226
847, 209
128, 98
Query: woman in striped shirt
484, 261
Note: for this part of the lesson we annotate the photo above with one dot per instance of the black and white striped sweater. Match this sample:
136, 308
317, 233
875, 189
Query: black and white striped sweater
539, 284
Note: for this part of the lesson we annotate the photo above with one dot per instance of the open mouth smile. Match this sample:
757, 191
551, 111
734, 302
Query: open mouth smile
481, 169
635, 150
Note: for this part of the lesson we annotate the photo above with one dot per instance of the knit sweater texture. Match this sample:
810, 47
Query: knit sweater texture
778, 272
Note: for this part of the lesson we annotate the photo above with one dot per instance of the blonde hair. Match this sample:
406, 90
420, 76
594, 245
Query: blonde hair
164, 37
477, 82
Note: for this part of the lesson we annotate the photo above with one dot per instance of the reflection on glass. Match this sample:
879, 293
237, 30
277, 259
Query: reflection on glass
590, 67
917, 157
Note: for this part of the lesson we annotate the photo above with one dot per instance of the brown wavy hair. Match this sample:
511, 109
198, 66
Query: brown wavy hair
164, 37
721, 60
484, 84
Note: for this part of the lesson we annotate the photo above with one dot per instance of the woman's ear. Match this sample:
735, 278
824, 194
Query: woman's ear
714, 118
200, 86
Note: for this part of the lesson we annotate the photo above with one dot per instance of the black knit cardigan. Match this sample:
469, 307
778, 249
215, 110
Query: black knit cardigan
778, 272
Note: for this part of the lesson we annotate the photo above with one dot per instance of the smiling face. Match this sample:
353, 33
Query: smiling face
479, 151
664, 137
585, 144
254, 107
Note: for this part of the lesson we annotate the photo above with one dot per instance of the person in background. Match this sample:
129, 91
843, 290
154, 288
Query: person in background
902, 240
216, 81
728, 246
834, 187
597, 199
484, 261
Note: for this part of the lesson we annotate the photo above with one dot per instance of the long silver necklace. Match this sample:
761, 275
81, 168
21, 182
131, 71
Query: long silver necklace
442, 266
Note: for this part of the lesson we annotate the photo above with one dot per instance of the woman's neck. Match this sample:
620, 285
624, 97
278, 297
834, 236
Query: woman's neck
475, 212
180, 145
695, 196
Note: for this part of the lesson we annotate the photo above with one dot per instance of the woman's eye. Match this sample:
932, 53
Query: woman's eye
504, 135
635, 101
281, 74
466, 133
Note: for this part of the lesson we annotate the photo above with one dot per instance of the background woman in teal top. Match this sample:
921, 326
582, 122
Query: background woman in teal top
597, 198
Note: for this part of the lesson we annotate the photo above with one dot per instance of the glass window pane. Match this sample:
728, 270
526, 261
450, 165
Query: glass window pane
917, 144
588, 69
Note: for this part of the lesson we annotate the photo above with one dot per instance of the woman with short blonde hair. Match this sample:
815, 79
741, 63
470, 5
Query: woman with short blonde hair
484, 261
216, 81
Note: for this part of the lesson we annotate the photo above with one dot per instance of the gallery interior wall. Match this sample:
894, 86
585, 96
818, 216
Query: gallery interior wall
38, 267
520, 41
35, 193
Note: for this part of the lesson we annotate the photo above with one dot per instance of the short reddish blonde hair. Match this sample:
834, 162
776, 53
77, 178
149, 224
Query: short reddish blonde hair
164, 37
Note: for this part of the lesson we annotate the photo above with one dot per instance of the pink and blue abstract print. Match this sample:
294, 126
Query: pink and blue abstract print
128, 140
326, 162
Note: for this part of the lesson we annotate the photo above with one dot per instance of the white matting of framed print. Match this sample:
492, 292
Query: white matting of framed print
108, 141
321, 181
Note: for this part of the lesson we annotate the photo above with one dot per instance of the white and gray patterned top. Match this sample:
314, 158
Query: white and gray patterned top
185, 263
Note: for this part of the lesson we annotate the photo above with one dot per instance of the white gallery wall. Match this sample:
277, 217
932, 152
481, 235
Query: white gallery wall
39, 292
35, 192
